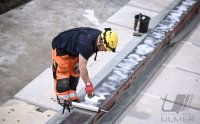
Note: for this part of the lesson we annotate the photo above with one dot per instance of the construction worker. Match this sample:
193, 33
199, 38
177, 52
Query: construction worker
71, 50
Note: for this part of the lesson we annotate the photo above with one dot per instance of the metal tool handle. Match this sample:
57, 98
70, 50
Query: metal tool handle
88, 107
138, 23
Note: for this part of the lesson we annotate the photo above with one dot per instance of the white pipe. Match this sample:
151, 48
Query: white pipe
87, 107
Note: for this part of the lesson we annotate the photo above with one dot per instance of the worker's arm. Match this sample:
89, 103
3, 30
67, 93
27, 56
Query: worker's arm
83, 69
84, 75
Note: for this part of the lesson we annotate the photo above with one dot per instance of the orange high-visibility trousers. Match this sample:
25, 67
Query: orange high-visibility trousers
65, 77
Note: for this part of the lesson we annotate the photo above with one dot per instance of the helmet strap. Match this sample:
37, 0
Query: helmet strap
95, 58
96, 49
104, 39
104, 36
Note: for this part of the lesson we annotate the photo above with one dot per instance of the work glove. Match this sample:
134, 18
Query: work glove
89, 89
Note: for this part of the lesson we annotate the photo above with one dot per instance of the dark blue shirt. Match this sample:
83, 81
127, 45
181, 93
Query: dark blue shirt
77, 41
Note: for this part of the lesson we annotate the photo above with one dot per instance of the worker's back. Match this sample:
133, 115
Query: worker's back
78, 40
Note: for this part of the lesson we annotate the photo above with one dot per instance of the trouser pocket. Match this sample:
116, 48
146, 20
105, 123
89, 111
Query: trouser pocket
54, 69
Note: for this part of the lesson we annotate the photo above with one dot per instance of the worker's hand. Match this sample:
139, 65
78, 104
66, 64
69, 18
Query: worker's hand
89, 89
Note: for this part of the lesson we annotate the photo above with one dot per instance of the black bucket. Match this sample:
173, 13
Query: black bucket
144, 23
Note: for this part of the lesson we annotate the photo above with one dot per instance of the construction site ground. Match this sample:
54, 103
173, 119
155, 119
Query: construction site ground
25, 64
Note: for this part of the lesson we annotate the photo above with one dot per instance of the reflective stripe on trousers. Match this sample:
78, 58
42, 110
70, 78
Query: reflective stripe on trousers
71, 94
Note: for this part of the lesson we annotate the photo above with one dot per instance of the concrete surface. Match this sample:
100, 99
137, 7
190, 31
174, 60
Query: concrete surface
178, 76
41, 96
6, 5
152, 5
18, 112
27, 31
187, 58
194, 38
129, 12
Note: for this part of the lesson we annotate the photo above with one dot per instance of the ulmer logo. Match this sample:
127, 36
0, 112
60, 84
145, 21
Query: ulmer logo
176, 111
180, 103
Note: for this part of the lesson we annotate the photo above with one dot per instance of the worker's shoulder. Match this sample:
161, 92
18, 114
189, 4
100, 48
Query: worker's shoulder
80, 30
88, 29
86, 33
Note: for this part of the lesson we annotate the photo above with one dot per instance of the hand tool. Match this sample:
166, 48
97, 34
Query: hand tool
87, 107
136, 33
69, 104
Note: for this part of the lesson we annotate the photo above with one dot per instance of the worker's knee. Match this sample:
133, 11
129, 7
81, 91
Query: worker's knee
62, 85
73, 82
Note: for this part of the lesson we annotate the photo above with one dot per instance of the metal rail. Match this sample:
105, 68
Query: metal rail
130, 68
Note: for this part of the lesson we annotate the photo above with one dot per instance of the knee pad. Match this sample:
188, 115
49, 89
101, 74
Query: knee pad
73, 82
62, 85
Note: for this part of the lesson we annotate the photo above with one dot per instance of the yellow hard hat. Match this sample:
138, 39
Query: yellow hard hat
110, 39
